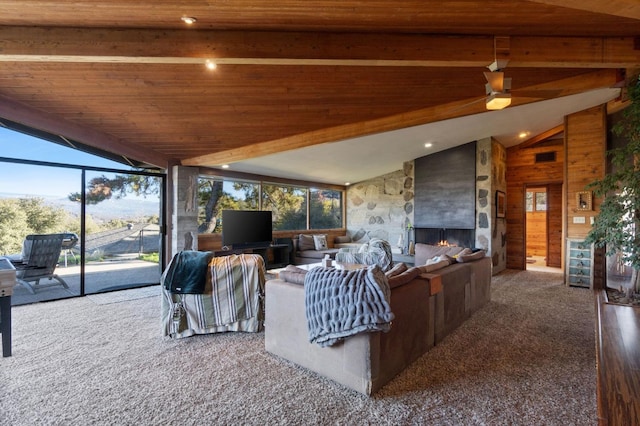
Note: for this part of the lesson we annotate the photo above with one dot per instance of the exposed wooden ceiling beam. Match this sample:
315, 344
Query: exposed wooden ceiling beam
623, 8
287, 48
19, 113
542, 136
596, 79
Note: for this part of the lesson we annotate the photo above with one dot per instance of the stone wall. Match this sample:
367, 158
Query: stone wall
184, 219
491, 163
382, 207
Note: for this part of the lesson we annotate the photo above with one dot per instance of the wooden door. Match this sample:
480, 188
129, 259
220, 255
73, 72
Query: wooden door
536, 222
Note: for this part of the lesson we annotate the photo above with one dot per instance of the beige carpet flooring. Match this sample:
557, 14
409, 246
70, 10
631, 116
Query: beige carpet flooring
527, 358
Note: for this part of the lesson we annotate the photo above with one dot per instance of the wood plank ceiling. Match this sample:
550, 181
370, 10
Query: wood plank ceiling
131, 77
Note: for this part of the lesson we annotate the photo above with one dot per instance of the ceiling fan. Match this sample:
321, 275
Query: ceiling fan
498, 88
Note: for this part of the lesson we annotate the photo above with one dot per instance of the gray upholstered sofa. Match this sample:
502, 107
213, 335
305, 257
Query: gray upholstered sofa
466, 284
428, 303
307, 250
366, 361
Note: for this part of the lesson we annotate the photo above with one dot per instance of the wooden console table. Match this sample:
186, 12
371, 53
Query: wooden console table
275, 255
618, 367
7, 282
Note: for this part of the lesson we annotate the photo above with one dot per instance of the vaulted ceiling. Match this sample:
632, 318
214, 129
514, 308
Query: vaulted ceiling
296, 76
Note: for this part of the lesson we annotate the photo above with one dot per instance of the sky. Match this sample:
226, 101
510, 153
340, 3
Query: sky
43, 181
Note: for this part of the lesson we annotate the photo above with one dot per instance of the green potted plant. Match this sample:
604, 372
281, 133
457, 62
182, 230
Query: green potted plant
617, 225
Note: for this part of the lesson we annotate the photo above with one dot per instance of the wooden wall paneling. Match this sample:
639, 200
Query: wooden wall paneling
522, 170
554, 225
516, 253
585, 162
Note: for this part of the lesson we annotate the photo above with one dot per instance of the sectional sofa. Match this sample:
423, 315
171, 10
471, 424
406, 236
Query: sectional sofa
312, 248
429, 301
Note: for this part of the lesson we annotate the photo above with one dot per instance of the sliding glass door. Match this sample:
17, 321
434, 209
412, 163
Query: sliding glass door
111, 221
122, 241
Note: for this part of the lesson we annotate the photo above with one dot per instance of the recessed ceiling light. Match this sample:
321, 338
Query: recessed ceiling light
347, 183
428, 145
211, 65
523, 135
189, 20
225, 166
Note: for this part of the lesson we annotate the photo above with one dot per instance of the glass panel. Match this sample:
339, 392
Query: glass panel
215, 195
325, 211
541, 201
288, 205
33, 200
18, 145
529, 201
122, 241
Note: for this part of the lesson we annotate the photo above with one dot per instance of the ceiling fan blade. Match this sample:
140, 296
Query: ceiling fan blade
471, 104
498, 64
544, 94
495, 79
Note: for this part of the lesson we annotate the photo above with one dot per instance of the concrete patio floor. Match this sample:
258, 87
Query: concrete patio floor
99, 277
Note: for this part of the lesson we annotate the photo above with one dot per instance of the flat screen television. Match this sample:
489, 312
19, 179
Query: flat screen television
246, 228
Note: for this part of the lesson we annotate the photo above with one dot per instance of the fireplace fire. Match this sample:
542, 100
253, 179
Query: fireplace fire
446, 237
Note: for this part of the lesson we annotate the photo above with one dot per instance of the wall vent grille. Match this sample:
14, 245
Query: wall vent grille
546, 157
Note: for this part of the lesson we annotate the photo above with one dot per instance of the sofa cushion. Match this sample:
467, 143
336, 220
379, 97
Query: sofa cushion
320, 242
305, 242
342, 239
317, 254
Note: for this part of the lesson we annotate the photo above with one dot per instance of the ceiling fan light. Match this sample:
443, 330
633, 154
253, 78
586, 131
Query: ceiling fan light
496, 101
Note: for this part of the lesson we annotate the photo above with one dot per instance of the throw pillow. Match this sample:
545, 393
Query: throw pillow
397, 269
471, 256
320, 242
404, 278
305, 242
441, 258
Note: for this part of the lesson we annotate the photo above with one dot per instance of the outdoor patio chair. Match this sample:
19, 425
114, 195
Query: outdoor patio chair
40, 255
68, 243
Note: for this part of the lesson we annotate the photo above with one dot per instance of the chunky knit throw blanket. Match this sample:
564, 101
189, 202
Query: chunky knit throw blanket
341, 303
375, 252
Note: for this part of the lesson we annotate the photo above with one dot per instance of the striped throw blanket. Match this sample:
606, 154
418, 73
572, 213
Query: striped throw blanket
341, 303
234, 300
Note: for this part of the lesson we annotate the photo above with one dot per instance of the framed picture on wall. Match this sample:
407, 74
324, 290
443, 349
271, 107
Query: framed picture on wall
583, 201
501, 204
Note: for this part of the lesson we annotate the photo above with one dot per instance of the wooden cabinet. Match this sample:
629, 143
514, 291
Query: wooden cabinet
275, 256
579, 264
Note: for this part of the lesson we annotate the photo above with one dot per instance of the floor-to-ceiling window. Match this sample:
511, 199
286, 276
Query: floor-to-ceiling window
294, 207
114, 210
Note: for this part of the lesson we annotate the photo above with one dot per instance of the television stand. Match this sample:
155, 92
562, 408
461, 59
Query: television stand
275, 255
